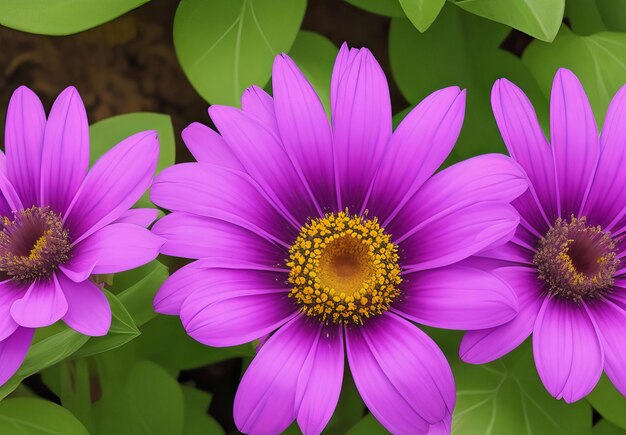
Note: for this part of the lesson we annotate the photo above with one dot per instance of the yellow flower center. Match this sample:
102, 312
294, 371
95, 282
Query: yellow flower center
344, 269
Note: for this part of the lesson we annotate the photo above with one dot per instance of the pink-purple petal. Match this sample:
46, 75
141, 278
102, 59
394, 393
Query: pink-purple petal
256, 102
402, 376
417, 148
305, 130
42, 305
206, 145
9, 293
138, 216
319, 384
567, 349
265, 402
26, 121
88, 310
13, 351
485, 345
116, 181
361, 120
65, 155
193, 236
456, 236
575, 141
457, 297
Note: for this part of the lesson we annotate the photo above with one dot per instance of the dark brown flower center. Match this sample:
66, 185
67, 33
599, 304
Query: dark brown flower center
33, 244
577, 261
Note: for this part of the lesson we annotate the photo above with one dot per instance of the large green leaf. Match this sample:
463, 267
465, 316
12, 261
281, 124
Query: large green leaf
598, 60
315, 56
388, 8
37, 417
463, 50
538, 18
609, 402
197, 421
422, 13
605, 427
109, 132
507, 397
61, 17
226, 46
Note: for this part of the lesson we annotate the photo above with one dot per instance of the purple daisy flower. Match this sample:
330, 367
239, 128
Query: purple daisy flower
566, 259
329, 240
62, 222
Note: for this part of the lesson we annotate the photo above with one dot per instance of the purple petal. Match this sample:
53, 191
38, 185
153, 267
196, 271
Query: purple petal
13, 350
611, 323
65, 156
116, 181
361, 119
320, 381
9, 293
607, 202
88, 309
266, 398
486, 345
305, 130
457, 297
9, 200
193, 236
115, 248
527, 144
42, 305
3, 163
567, 350
271, 169
490, 177
403, 377
23, 142
138, 216
457, 235
574, 139
237, 307
417, 148
209, 147
214, 191
255, 101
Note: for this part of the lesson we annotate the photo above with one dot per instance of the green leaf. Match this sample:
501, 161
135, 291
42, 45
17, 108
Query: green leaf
459, 49
609, 402
44, 353
315, 56
61, 17
538, 18
226, 46
597, 60
197, 421
109, 132
368, 425
604, 427
507, 396
37, 417
422, 13
388, 8
613, 13
122, 331
350, 407
584, 17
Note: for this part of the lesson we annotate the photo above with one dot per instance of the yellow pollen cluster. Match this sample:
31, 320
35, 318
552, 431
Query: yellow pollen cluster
344, 269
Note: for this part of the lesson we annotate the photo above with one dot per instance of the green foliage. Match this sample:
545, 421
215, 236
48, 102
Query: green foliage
597, 60
422, 13
61, 17
459, 50
604, 427
388, 8
609, 402
37, 417
225, 47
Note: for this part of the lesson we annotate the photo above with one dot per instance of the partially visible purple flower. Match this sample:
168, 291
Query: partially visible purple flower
62, 222
566, 261
333, 239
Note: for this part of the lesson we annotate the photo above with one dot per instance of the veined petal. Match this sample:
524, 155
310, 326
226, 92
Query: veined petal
9, 293
88, 309
255, 101
138, 216
26, 121
65, 155
361, 120
42, 305
13, 350
207, 146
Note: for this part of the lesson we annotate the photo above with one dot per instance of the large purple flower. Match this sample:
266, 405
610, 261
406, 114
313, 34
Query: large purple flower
566, 260
62, 222
335, 236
